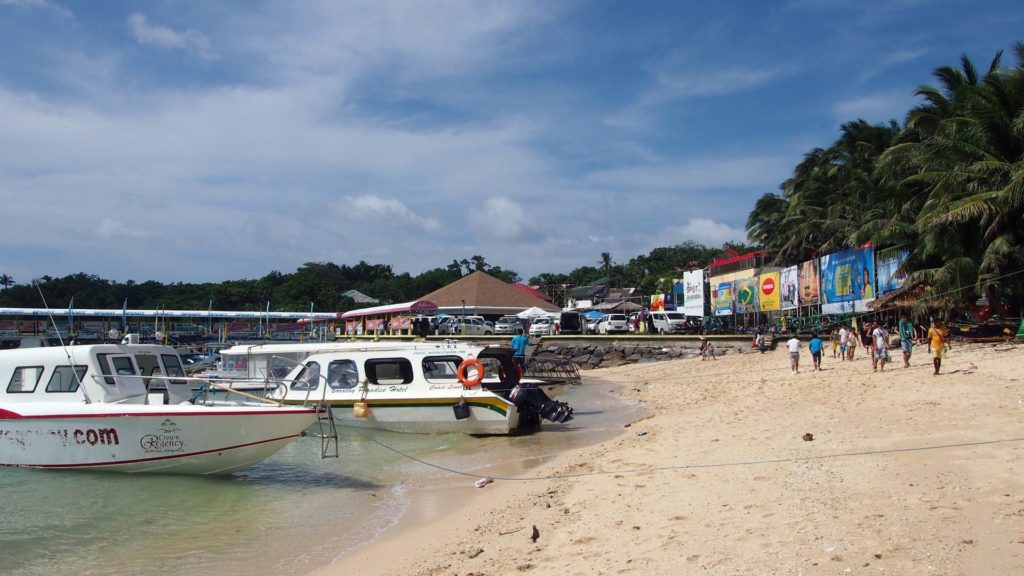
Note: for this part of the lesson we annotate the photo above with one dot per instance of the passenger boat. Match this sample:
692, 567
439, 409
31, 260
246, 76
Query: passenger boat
129, 407
420, 387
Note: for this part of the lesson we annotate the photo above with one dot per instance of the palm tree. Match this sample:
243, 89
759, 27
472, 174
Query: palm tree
6, 281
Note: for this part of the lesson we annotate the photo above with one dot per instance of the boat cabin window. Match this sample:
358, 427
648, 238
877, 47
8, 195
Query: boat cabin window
342, 374
172, 365
25, 379
64, 379
441, 367
308, 378
388, 370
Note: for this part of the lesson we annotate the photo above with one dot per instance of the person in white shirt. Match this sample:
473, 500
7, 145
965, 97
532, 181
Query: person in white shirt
881, 336
794, 353
844, 336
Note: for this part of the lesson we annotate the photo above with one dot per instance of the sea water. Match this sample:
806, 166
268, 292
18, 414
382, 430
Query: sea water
290, 514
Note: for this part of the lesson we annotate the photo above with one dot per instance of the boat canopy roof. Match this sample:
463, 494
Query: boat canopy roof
416, 306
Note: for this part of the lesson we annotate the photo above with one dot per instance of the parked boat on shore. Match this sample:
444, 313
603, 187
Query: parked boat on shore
129, 407
421, 387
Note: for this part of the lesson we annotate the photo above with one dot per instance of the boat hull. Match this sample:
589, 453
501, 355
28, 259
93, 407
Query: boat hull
487, 416
139, 438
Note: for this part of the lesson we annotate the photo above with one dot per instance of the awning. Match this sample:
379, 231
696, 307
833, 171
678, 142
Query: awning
414, 307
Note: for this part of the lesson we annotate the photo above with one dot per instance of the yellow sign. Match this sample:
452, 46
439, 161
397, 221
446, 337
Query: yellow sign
768, 286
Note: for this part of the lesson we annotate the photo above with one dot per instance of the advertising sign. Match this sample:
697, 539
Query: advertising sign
693, 296
723, 299
657, 302
847, 280
789, 288
810, 282
746, 295
890, 278
768, 292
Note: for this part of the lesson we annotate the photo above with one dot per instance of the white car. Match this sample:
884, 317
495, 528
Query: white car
507, 325
669, 322
613, 324
542, 327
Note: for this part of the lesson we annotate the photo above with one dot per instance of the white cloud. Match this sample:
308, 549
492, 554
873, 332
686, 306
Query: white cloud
375, 210
39, 4
703, 231
699, 174
877, 107
507, 220
161, 36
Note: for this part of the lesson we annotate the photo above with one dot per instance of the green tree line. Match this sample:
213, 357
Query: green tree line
319, 285
947, 185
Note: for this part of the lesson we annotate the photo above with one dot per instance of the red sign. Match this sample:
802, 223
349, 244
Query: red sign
768, 286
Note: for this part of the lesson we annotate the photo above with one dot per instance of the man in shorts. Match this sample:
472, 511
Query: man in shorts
815, 348
844, 335
794, 353
906, 329
938, 343
880, 345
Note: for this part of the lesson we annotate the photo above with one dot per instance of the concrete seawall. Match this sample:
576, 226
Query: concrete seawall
590, 352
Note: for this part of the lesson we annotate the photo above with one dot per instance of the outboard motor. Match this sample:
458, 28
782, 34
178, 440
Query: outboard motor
529, 396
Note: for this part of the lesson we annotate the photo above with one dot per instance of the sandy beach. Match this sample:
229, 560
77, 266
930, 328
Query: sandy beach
902, 472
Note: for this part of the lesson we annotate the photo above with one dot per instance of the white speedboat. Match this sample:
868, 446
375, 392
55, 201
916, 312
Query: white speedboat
425, 388
129, 408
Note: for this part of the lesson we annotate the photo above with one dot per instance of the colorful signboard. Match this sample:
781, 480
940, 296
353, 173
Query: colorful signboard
847, 280
746, 295
768, 292
789, 288
657, 302
723, 299
693, 295
890, 278
810, 282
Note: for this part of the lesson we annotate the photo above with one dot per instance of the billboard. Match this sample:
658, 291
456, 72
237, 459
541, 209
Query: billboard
789, 288
890, 278
810, 284
768, 292
746, 295
657, 302
693, 295
723, 299
847, 280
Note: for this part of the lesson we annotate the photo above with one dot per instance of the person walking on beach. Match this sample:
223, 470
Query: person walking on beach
815, 347
881, 343
851, 344
906, 328
938, 343
844, 335
519, 343
794, 353
835, 342
868, 342
707, 349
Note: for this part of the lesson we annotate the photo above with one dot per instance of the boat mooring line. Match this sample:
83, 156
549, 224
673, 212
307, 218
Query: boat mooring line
691, 466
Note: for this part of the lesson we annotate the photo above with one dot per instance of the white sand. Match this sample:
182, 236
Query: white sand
907, 473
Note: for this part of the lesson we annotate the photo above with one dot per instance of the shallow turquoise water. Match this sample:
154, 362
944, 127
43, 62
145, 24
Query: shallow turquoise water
290, 514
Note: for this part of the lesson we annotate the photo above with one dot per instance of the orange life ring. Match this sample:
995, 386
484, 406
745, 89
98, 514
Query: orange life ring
470, 363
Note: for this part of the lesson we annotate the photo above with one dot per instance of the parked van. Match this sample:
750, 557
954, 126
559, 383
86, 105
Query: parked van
507, 325
669, 322
572, 323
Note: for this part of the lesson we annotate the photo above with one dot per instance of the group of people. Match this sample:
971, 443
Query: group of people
874, 336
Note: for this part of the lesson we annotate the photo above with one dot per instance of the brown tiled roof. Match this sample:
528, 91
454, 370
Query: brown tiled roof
480, 289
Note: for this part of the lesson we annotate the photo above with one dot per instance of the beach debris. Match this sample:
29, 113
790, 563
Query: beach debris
808, 437
641, 433
483, 482
510, 531
473, 552
535, 534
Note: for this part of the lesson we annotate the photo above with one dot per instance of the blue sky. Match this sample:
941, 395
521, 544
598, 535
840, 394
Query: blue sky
209, 141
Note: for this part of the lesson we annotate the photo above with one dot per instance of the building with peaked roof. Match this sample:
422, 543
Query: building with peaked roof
481, 294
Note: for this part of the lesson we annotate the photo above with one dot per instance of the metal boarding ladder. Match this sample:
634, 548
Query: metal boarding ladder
328, 430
